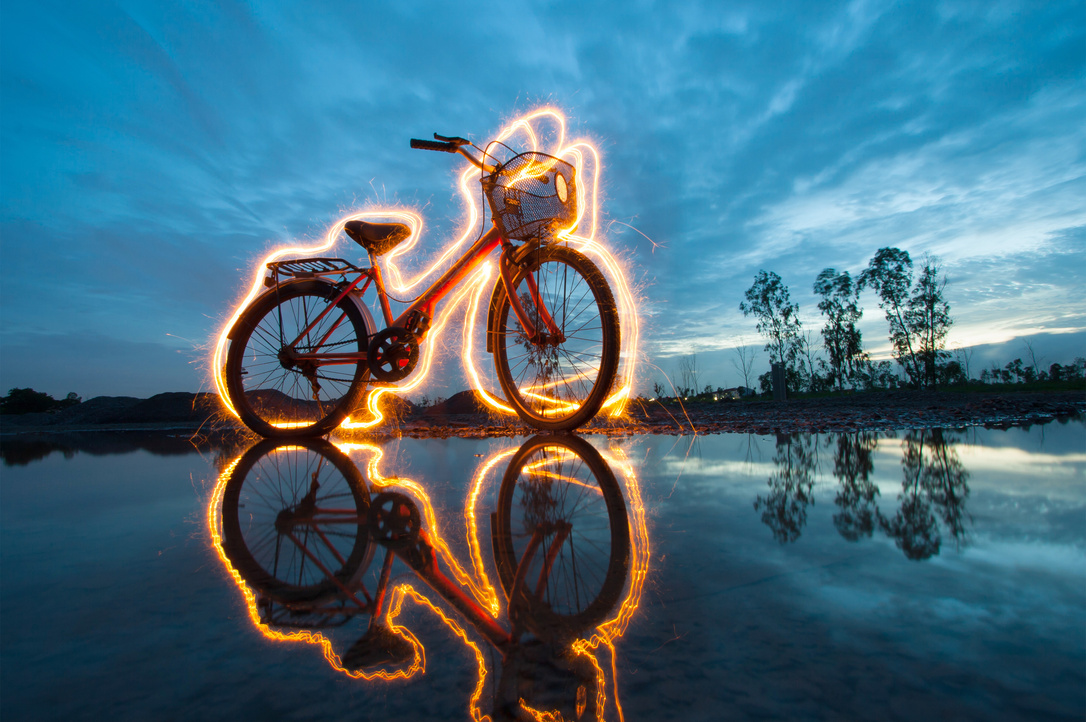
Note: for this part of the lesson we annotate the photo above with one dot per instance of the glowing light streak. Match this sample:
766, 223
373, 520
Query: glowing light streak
566, 381
542, 474
458, 630
466, 353
580, 154
554, 406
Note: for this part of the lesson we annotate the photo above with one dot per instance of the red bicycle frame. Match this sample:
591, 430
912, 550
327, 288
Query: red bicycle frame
419, 314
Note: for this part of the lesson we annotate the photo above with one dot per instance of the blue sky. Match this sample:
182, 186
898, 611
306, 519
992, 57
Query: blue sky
151, 152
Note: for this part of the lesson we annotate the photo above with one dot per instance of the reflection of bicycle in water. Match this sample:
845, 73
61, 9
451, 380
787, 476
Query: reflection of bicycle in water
300, 529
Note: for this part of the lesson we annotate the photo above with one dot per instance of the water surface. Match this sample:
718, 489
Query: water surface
831, 576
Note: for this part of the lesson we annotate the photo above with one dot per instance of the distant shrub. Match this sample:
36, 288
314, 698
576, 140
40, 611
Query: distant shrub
29, 401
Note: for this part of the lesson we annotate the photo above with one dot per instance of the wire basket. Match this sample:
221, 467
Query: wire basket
532, 196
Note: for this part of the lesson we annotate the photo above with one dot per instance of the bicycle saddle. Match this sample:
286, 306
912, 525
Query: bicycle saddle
377, 238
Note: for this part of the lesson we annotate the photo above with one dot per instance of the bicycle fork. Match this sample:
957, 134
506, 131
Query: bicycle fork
507, 268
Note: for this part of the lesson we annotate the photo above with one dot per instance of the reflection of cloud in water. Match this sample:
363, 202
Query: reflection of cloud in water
1019, 461
718, 468
1041, 556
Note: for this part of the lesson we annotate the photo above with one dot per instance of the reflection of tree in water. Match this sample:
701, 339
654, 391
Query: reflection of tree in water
852, 465
935, 482
934, 490
784, 511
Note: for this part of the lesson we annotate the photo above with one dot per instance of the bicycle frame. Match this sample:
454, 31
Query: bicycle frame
418, 315
422, 557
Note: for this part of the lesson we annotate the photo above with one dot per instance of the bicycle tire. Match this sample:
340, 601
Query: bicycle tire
276, 400
554, 480
559, 386
269, 482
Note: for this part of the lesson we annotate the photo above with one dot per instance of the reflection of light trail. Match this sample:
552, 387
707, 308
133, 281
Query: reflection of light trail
483, 590
553, 476
528, 128
604, 635
612, 629
559, 457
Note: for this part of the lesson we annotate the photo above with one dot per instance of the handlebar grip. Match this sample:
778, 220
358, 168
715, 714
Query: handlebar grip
434, 145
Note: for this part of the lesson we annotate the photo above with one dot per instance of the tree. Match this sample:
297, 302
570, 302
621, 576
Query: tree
1035, 370
842, 339
807, 362
744, 361
778, 318
927, 319
965, 355
688, 375
890, 274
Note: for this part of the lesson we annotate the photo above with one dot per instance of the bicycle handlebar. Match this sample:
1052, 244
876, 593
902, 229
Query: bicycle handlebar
451, 144
434, 145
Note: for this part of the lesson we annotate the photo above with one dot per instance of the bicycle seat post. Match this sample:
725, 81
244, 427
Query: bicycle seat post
375, 273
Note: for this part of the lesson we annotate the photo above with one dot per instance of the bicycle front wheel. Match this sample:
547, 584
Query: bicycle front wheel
275, 376
558, 380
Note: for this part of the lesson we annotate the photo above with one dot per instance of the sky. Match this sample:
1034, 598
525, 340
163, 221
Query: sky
152, 152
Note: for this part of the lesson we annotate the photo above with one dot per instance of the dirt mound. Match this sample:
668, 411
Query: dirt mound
464, 402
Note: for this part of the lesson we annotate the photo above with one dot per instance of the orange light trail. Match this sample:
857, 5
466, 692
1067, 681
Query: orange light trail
529, 128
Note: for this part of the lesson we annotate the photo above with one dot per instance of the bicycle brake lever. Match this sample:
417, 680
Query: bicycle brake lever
452, 139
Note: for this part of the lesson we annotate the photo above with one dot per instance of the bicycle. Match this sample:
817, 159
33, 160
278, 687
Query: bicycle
299, 526
303, 353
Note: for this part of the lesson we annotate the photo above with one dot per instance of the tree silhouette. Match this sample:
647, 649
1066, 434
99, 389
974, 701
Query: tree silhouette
927, 319
890, 273
769, 301
843, 341
29, 401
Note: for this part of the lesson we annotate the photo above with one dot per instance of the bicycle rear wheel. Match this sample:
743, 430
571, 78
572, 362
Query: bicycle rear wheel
279, 396
560, 492
559, 381
288, 510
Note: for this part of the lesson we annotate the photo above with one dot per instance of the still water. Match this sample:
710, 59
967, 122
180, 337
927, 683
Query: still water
844, 576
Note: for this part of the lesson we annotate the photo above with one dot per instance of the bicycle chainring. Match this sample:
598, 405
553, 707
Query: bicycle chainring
393, 354
394, 520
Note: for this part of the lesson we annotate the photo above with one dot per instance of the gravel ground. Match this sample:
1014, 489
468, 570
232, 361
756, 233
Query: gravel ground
846, 413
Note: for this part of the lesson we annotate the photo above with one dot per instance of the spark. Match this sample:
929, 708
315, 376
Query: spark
636, 230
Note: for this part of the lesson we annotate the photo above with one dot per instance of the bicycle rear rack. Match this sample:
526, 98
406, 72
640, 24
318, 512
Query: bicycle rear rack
310, 267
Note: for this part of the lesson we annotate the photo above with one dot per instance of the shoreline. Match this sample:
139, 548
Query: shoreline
847, 413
